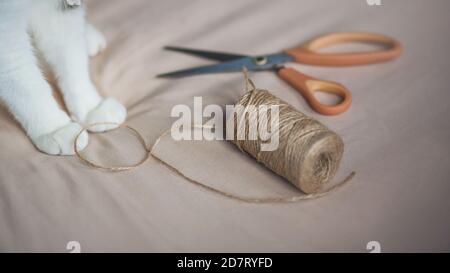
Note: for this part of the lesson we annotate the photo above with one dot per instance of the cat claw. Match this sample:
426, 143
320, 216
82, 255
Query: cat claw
61, 141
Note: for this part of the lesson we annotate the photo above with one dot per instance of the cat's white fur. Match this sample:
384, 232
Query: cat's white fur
64, 39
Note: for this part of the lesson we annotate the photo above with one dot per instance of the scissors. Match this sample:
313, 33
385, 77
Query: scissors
307, 53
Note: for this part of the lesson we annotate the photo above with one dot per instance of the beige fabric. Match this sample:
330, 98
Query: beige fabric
396, 134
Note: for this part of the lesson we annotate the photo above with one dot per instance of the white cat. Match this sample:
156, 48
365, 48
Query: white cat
57, 29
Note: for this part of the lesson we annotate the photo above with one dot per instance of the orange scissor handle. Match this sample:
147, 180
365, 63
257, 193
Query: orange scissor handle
308, 53
307, 86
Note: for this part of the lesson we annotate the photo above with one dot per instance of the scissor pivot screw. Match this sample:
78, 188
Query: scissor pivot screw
261, 60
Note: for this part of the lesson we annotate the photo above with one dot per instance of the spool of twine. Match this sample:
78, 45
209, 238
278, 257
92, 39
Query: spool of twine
308, 154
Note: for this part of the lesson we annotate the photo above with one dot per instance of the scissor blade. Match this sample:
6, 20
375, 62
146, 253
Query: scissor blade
212, 55
251, 63
210, 69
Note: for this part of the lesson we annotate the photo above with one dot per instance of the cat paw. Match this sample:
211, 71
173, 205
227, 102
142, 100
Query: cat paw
61, 141
96, 42
108, 111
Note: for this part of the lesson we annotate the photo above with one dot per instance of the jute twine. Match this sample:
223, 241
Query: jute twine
308, 154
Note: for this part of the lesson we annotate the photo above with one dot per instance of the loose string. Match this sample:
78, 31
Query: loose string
112, 168
150, 153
